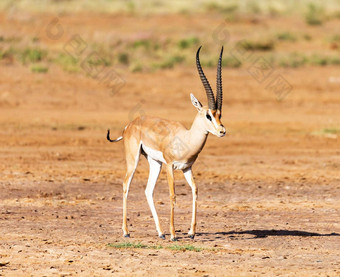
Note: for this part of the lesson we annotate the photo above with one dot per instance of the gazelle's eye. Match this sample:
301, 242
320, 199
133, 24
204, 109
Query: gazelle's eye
208, 116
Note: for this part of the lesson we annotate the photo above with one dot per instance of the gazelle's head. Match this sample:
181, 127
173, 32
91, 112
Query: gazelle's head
210, 116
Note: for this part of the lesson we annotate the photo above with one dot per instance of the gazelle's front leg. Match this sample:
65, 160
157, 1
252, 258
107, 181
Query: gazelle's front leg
170, 173
190, 179
155, 168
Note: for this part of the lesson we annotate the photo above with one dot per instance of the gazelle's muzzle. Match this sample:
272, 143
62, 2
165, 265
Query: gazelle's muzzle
221, 131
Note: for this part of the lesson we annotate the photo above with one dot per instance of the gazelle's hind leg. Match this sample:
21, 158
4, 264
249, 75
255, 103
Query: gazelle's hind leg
132, 158
155, 168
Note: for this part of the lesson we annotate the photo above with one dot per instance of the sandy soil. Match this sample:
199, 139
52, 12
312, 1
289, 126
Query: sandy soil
269, 192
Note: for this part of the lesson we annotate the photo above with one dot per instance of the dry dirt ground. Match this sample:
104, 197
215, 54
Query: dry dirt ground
269, 192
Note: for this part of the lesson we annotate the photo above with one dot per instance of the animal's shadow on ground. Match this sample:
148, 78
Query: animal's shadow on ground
263, 234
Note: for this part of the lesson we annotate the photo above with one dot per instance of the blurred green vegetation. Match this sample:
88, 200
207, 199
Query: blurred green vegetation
188, 42
152, 52
331, 130
314, 11
175, 247
315, 14
39, 68
32, 55
149, 55
66, 62
286, 36
260, 45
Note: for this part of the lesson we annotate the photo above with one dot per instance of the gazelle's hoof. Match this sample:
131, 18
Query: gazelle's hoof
162, 236
174, 239
126, 235
192, 236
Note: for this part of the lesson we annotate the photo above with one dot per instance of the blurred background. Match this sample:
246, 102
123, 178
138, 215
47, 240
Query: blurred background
154, 35
71, 69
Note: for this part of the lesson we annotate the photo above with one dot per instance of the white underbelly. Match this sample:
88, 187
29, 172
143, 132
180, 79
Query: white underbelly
154, 154
182, 165
158, 156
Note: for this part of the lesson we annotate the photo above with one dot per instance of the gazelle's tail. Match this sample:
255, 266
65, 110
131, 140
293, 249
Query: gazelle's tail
112, 140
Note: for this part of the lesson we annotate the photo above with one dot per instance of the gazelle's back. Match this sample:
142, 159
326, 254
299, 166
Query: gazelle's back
153, 131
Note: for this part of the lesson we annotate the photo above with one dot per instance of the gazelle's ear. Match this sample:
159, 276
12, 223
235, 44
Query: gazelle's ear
197, 104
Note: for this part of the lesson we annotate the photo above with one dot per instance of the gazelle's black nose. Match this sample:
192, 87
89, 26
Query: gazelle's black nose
222, 131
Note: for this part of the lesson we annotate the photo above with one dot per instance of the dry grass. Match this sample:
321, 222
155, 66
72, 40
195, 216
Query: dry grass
308, 8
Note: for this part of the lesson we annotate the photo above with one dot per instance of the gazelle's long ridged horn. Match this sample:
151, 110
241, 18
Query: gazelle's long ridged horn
219, 92
208, 90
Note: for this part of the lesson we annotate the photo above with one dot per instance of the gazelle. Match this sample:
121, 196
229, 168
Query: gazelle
168, 142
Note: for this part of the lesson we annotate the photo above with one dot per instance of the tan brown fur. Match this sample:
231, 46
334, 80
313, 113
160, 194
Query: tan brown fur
168, 142
161, 135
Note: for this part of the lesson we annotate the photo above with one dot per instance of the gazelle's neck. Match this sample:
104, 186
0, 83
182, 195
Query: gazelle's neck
197, 135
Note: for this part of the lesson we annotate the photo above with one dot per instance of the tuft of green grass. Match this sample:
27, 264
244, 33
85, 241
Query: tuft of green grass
315, 14
131, 7
11, 39
32, 55
146, 44
324, 60
142, 43
175, 247
330, 132
223, 9
208, 62
335, 38
307, 37
39, 69
294, 60
259, 45
136, 68
128, 245
333, 131
187, 247
319, 60
123, 58
253, 7
286, 36
188, 42
67, 62
35, 39
125, 245
232, 62
228, 61
169, 62
99, 60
